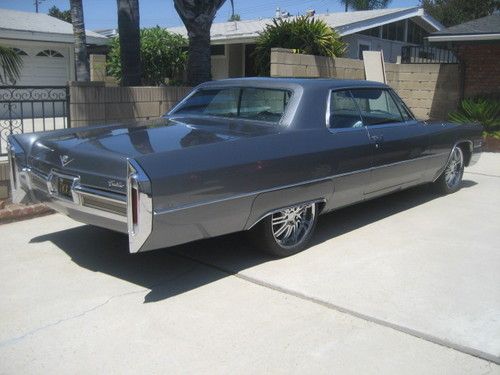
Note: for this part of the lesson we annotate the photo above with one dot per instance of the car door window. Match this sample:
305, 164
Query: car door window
377, 106
343, 111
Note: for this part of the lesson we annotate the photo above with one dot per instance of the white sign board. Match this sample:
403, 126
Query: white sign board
374, 66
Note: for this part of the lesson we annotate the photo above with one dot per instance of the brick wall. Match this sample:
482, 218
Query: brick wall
481, 69
93, 103
430, 90
4, 179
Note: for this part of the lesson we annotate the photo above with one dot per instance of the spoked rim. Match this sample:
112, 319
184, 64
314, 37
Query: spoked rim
292, 225
454, 169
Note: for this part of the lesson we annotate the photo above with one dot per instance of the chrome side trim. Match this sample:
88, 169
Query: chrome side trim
139, 231
321, 179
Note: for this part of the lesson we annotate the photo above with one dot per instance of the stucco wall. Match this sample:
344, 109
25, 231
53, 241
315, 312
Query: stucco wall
93, 103
430, 90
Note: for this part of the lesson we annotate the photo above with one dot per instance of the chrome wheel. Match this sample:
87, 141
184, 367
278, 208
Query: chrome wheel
454, 169
291, 226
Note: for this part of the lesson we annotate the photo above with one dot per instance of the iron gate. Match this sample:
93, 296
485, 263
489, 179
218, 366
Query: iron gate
26, 109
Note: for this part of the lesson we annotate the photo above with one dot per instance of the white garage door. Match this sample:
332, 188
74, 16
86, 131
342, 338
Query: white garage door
44, 66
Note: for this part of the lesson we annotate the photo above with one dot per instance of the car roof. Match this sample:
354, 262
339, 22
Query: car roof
305, 83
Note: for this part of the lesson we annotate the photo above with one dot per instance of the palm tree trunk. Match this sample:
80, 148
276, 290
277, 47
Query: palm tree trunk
81, 57
197, 16
199, 64
130, 42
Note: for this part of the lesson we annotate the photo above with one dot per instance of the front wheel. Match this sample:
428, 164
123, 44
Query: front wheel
451, 178
288, 231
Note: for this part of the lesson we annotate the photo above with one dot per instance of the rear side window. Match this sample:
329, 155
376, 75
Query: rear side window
343, 111
377, 106
405, 112
263, 104
260, 104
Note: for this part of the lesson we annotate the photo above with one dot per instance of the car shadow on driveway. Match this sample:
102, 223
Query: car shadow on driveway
176, 270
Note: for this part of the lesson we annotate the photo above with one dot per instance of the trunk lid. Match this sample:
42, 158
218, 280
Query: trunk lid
98, 155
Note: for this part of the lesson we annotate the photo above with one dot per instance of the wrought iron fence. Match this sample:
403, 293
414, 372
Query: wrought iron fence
427, 55
26, 109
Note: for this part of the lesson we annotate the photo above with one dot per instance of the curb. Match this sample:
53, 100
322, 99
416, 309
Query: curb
17, 212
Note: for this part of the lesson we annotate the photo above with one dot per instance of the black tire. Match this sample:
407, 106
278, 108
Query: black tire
264, 236
450, 180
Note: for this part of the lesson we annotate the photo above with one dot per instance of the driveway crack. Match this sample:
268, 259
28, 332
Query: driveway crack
14, 340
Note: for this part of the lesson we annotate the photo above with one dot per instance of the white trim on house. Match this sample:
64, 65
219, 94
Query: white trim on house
430, 23
460, 38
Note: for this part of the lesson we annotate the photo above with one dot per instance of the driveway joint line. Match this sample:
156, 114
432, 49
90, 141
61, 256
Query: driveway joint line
418, 334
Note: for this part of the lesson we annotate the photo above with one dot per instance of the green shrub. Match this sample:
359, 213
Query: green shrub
163, 56
305, 34
478, 110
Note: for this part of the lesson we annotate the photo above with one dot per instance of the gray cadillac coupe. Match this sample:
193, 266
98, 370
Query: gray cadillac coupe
261, 154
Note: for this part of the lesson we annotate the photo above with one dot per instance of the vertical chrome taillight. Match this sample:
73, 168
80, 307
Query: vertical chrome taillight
15, 153
139, 206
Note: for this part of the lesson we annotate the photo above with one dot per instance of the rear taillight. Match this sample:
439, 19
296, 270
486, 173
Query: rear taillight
135, 205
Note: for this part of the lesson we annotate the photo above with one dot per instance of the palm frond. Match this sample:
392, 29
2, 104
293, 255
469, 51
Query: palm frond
478, 110
303, 34
10, 65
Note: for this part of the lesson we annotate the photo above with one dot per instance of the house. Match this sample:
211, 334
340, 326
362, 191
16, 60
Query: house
382, 29
45, 44
477, 46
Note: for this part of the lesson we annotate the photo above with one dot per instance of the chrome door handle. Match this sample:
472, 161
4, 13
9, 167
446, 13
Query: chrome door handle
376, 138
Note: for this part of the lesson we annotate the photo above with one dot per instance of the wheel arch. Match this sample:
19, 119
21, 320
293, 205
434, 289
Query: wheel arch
466, 147
269, 202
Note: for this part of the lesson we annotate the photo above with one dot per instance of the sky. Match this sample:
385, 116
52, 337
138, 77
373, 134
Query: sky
101, 14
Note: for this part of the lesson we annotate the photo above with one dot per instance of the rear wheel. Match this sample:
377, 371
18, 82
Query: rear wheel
288, 231
451, 178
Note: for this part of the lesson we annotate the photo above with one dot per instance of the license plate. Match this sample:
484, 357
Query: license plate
64, 187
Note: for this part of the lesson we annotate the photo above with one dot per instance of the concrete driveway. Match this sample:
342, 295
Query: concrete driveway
408, 283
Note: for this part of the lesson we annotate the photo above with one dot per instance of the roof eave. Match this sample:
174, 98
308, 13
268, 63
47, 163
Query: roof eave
389, 18
49, 37
463, 37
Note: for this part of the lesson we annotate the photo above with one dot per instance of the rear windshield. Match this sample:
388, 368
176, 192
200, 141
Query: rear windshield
241, 102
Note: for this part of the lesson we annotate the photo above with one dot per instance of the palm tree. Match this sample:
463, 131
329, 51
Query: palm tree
10, 65
197, 16
81, 57
365, 4
130, 43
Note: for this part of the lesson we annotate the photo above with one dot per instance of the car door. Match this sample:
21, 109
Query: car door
399, 143
350, 155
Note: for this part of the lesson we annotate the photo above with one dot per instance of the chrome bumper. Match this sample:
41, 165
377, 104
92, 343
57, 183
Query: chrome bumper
477, 148
85, 204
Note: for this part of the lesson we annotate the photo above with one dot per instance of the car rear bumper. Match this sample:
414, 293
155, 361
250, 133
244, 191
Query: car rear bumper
129, 213
88, 205
477, 148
